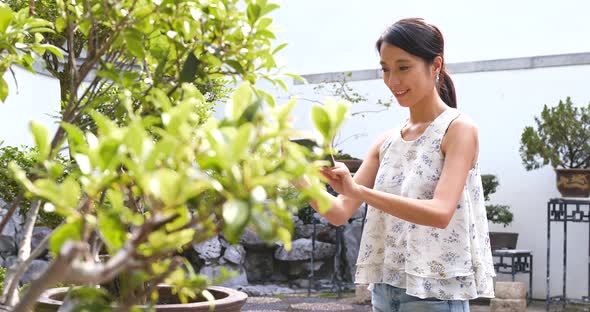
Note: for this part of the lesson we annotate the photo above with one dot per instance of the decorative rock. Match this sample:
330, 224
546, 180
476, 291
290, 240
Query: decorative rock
265, 290
37, 267
321, 219
510, 290
259, 264
302, 249
9, 261
324, 232
250, 240
297, 268
14, 225
301, 282
7, 246
352, 240
280, 270
39, 233
209, 249
213, 272
508, 305
235, 254
359, 213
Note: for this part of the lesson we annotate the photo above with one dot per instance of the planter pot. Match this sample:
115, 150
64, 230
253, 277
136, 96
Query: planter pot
227, 300
573, 182
503, 240
352, 164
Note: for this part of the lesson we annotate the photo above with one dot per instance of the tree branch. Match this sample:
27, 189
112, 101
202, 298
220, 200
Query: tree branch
10, 295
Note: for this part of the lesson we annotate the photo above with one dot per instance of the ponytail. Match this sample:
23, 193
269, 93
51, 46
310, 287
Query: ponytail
446, 89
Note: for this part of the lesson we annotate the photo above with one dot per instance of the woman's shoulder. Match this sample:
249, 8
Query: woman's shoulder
381, 139
462, 122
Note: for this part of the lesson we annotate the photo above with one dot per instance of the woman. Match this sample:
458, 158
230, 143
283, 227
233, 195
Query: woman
425, 245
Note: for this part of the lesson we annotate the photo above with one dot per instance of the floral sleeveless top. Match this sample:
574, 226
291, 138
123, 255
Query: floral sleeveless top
454, 263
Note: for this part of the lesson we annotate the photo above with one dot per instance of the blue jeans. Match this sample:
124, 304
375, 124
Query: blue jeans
387, 298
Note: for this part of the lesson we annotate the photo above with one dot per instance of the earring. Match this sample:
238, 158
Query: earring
437, 78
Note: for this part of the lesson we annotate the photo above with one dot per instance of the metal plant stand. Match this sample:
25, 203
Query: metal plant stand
565, 211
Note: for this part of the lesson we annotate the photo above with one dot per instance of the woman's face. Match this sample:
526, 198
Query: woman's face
409, 77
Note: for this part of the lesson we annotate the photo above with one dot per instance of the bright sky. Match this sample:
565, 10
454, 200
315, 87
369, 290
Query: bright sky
339, 35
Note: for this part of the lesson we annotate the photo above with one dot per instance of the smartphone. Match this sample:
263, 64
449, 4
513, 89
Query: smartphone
311, 144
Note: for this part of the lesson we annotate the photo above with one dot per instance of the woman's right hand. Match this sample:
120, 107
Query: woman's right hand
341, 180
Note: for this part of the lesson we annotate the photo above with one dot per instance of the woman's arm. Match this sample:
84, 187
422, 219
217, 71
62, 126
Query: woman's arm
460, 147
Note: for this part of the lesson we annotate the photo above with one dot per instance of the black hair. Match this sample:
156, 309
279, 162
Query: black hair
423, 40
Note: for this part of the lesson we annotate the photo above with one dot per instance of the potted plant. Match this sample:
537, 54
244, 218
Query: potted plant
498, 214
351, 162
561, 139
340, 88
149, 171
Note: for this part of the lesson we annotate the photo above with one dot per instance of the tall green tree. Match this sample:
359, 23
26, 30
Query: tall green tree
152, 171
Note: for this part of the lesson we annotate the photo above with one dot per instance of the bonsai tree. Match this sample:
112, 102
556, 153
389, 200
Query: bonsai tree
499, 214
149, 170
561, 138
341, 89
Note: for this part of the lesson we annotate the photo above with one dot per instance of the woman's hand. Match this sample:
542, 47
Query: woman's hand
340, 180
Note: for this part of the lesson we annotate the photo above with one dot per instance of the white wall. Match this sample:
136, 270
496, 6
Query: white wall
37, 97
339, 36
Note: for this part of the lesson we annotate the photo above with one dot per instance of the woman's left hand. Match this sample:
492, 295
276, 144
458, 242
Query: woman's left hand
340, 179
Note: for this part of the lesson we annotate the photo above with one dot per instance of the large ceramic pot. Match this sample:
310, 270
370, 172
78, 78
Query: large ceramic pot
352, 164
503, 240
226, 300
573, 182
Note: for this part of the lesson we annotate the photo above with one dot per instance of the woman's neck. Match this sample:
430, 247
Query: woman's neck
427, 110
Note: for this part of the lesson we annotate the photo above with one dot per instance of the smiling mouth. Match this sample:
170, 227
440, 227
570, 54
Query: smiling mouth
400, 93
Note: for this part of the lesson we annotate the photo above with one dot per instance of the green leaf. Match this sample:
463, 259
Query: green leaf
279, 48
42, 139
321, 121
70, 194
253, 13
112, 230
104, 124
236, 66
6, 16
235, 215
263, 23
338, 111
60, 24
241, 98
75, 136
189, 69
69, 231
285, 236
135, 43
3, 89
285, 110
297, 77
282, 84
135, 138
53, 49
241, 143
265, 33
269, 8
165, 184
